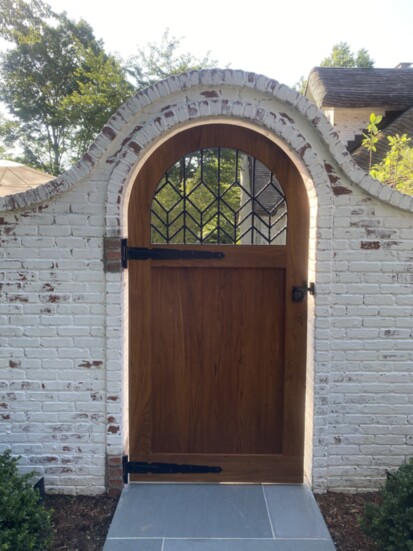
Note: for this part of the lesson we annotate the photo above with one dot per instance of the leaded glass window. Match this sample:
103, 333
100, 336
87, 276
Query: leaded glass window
219, 196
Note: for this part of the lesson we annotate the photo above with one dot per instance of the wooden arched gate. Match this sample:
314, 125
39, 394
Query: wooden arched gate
217, 339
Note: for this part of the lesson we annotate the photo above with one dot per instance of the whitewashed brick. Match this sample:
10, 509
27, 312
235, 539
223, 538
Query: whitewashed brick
64, 328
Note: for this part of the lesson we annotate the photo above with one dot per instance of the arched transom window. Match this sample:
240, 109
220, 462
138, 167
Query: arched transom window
219, 196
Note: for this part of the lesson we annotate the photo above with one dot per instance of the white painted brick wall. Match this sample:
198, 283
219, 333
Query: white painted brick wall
370, 383
52, 355
350, 123
63, 339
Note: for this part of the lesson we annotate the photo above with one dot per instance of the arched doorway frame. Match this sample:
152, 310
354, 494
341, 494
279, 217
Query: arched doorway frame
313, 203
293, 124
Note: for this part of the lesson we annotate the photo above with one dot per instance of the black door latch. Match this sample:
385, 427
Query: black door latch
300, 292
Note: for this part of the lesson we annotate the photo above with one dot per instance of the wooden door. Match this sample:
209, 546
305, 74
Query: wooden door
217, 346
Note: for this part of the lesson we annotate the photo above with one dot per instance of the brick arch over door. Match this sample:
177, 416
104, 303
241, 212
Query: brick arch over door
284, 117
271, 107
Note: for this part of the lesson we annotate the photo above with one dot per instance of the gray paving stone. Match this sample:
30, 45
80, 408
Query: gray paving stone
133, 545
248, 545
217, 517
191, 511
294, 512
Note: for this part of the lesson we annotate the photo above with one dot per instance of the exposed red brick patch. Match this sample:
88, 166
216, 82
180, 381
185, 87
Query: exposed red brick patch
286, 116
48, 288
192, 110
370, 245
114, 460
112, 253
88, 159
113, 429
367, 223
87, 364
5, 416
80, 416
14, 364
259, 114
113, 398
303, 149
135, 147
111, 419
109, 132
341, 190
114, 474
17, 298
332, 176
42, 459
53, 299
115, 492
58, 470
96, 397
113, 267
210, 94
380, 233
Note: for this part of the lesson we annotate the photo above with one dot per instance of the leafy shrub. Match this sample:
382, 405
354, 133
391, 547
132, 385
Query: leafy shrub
25, 525
390, 523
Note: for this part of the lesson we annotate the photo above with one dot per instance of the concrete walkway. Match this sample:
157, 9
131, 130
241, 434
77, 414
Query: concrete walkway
217, 517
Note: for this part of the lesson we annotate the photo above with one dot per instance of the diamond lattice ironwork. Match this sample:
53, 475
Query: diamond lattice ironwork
219, 196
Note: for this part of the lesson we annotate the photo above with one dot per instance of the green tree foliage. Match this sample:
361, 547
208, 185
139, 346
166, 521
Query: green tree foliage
342, 56
60, 86
57, 83
396, 168
158, 61
363, 59
301, 85
370, 138
24, 523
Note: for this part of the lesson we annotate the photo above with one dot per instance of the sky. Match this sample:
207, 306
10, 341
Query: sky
282, 39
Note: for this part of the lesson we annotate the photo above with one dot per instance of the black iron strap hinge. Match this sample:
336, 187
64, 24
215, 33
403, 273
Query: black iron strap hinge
143, 253
142, 467
299, 293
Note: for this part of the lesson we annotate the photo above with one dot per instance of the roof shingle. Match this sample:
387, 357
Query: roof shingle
350, 87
